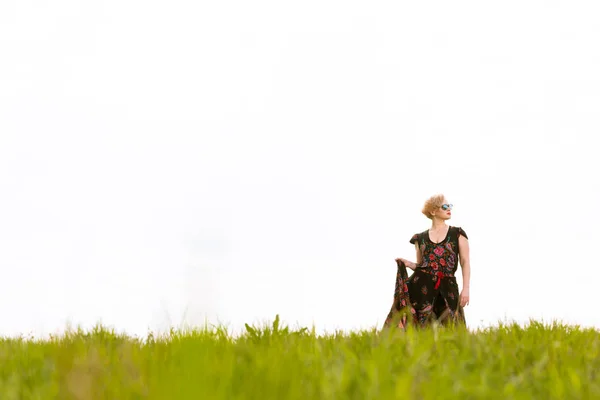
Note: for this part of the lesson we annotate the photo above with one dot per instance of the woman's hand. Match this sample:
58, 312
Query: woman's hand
464, 297
408, 264
405, 261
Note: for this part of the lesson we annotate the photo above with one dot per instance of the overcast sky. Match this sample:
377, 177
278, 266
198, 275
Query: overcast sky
168, 163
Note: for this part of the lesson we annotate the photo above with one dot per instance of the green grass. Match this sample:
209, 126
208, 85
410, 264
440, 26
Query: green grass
536, 361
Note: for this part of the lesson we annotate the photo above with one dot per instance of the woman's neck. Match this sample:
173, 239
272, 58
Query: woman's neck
438, 224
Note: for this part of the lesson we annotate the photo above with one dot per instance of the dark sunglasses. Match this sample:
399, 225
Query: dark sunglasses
447, 206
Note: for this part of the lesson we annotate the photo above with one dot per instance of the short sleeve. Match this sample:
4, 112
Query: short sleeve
462, 232
414, 238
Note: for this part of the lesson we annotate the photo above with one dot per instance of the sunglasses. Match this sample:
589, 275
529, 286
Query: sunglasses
447, 206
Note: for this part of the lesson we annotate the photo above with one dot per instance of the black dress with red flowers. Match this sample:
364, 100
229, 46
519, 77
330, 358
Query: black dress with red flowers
431, 290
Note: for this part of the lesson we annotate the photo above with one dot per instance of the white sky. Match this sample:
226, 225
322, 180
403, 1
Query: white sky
166, 162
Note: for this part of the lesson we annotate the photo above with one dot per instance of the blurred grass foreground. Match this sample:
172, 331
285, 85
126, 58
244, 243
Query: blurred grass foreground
509, 361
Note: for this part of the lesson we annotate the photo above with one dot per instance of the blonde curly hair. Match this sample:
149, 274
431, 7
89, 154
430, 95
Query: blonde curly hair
432, 204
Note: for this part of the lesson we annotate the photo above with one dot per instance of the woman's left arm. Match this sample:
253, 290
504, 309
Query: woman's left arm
463, 250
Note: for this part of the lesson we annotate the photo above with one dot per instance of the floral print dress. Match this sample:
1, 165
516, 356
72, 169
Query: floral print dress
431, 292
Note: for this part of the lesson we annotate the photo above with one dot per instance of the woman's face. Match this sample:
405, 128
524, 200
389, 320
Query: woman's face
444, 212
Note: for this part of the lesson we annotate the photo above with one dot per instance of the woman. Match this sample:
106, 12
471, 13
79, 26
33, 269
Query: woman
432, 291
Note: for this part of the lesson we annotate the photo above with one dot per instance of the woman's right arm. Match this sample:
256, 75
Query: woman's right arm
419, 257
411, 264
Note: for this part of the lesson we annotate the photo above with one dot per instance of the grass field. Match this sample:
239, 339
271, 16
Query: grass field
536, 361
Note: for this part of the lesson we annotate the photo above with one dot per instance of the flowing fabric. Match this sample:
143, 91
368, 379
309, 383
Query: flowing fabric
401, 313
